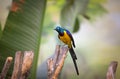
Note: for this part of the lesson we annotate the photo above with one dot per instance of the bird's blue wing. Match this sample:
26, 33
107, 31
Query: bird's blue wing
70, 36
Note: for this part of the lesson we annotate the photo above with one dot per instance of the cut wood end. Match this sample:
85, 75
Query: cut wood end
29, 54
27, 61
10, 58
114, 64
112, 70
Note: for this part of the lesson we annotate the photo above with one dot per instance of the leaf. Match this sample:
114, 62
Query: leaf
23, 30
89, 9
0, 30
70, 12
76, 25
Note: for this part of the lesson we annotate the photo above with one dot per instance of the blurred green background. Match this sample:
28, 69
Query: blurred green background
95, 26
97, 41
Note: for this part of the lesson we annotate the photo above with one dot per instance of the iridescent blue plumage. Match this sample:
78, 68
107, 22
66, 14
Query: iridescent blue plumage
61, 30
66, 37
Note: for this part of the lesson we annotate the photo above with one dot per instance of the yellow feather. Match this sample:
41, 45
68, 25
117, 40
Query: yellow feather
66, 39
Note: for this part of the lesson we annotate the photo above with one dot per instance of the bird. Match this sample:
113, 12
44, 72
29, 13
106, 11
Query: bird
66, 37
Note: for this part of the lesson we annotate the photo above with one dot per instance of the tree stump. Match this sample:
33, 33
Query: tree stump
56, 62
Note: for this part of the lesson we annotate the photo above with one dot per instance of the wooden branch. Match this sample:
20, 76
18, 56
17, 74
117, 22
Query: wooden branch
17, 65
22, 65
27, 64
112, 70
56, 62
6, 67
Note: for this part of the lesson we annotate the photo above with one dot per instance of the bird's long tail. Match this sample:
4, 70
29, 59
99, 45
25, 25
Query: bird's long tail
74, 58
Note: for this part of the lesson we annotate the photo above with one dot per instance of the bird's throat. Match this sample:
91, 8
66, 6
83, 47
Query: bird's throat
61, 34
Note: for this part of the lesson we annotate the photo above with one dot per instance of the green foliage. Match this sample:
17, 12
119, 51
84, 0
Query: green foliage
23, 30
48, 24
0, 30
53, 8
76, 26
71, 11
95, 8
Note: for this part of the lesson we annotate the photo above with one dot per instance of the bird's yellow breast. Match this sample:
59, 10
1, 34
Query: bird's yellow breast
66, 39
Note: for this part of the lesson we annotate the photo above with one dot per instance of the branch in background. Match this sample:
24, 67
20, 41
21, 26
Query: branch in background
6, 67
112, 70
56, 62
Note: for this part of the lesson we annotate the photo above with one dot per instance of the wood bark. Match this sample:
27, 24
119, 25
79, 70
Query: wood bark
112, 70
22, 64
6, 67
56, 62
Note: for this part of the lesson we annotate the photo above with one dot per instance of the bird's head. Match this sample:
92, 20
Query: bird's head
60, 30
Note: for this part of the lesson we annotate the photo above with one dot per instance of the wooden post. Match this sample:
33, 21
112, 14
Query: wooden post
17, 65
22, 64
56, 62
112, 70
6, 67
27, 64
